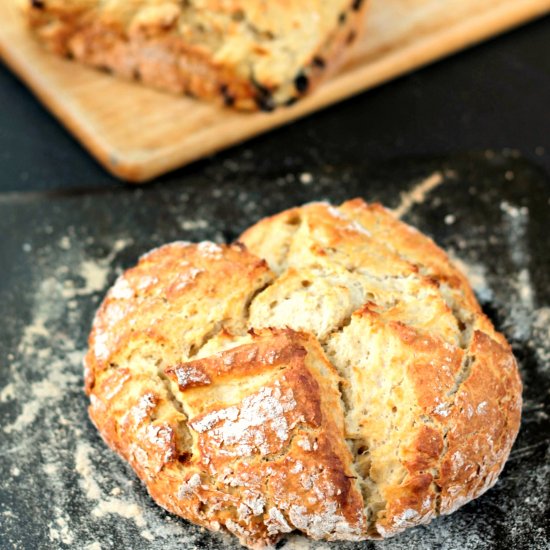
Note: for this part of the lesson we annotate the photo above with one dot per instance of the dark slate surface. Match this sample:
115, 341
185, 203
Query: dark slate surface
59, 485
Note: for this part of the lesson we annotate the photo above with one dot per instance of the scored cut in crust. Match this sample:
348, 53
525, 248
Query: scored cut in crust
250, 54
331, 374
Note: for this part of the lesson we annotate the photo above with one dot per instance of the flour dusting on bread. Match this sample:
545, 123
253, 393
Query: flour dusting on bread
331, 373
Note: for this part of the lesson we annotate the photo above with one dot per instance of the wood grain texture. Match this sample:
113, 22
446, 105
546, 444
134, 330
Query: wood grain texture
138, 133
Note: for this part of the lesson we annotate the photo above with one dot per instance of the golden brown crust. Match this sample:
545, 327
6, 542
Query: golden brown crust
245, 54
482, 425
154, 300
419, 330
260, 465
335, 376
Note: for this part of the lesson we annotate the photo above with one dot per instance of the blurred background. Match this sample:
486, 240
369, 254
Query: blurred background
492, 96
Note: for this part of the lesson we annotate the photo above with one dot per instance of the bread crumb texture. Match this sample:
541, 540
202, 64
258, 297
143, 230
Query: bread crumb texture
331, 373
250, 54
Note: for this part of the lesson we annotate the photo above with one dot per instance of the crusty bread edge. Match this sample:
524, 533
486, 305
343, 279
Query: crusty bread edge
186, 69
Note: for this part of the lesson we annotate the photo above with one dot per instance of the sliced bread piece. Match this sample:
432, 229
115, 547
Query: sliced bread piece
250, 54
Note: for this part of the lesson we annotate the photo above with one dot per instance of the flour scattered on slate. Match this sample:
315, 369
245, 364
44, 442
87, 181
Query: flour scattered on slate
63, 488
50, 430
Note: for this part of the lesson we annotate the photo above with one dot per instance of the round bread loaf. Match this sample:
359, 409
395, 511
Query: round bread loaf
331, 373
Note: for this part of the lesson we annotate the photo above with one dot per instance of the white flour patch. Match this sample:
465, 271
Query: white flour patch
476, 275
34, 349
83, 465
50, 469
90, 480
59, 529
94, 273
7, 393
522, 306
27, 416
298, 542
119, 507
306, 178
47, 421
418, 194
516, 222
189, 225
147, 535
540, 336
64, 242
210, 250
108, 502
240, 432
526, 322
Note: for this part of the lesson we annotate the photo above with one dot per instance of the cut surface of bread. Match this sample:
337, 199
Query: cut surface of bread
251, 54
332, 373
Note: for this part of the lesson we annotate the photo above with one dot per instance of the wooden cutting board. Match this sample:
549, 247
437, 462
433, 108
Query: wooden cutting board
138, 133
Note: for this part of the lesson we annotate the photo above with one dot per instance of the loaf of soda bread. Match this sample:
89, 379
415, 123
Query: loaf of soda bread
250, 54
332, 373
